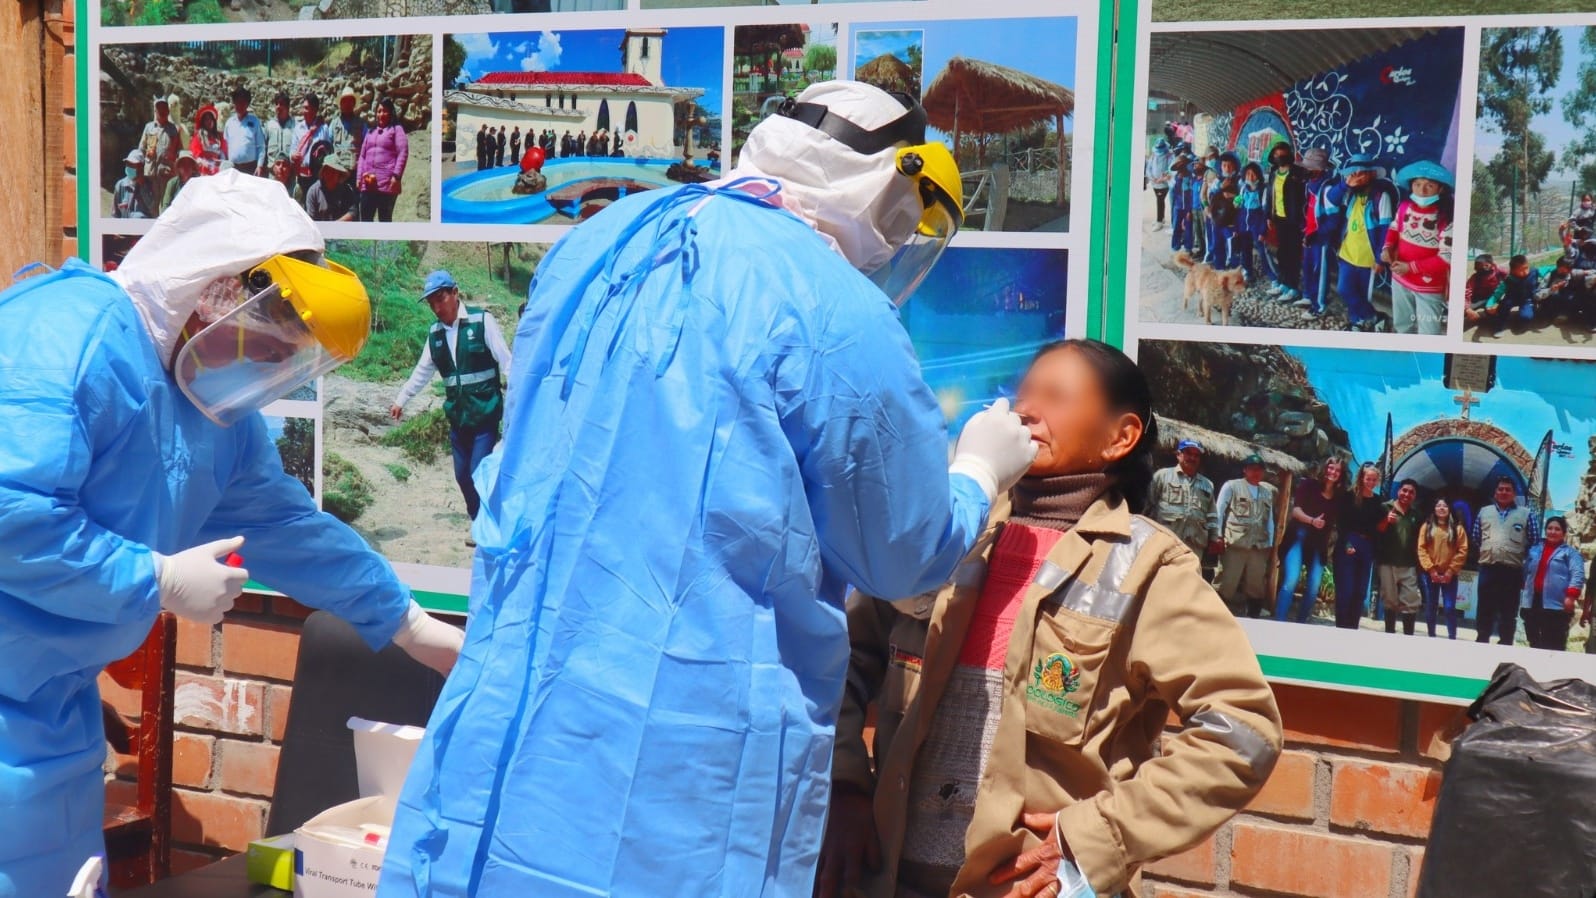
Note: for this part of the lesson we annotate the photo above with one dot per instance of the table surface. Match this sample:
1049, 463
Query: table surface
224, 879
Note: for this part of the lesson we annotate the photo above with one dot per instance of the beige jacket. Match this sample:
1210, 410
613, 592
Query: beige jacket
1125, 602
1437, 551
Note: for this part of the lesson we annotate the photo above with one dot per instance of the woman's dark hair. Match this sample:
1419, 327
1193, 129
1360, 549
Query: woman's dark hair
1454, 524
1126, 391
387, 104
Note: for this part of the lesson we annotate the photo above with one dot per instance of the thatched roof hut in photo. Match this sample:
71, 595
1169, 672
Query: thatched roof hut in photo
976, 97
888, 72
1225, 447
752, 39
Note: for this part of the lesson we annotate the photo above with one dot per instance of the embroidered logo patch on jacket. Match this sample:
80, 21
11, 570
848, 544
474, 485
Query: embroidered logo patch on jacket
1053, 678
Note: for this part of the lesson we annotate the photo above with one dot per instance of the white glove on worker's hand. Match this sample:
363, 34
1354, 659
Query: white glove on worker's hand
994, 450
196, 584
429, 640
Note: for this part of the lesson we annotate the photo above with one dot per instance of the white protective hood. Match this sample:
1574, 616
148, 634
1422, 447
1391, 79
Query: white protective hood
220, 226
860, 202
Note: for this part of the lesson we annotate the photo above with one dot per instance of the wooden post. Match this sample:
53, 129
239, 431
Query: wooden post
26, 235
955, 128
997, 204
1288, 485
1063, 166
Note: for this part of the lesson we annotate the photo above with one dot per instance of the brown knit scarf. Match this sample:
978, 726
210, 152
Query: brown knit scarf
1058, 502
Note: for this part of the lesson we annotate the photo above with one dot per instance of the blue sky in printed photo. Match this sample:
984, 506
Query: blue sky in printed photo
1531, 396
1044, 48
1557, 130
694, 57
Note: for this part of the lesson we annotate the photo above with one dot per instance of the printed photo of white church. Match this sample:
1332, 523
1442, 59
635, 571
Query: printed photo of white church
550, 127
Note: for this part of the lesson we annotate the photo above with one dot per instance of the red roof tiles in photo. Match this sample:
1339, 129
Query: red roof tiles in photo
567, 79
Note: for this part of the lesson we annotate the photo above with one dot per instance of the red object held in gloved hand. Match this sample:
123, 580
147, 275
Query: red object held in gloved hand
235, 560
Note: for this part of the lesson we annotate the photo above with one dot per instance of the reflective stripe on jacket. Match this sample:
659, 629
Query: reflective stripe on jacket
473, 392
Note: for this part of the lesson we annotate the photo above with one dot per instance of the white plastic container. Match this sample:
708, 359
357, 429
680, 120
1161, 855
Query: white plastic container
338, 853
383, 752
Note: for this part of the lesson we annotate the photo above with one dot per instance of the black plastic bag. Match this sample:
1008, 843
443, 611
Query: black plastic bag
1517, 810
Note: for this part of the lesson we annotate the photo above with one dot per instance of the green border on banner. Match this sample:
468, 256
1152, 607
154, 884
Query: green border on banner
1121, 121
441, 602
446, 602
1360, 677
1097, 294
80, 117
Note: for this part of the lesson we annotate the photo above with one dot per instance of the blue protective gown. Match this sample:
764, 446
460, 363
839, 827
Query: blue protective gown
714, 424
102, 460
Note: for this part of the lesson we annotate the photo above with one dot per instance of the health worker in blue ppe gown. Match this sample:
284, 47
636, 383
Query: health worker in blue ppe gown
133, 461
717, 422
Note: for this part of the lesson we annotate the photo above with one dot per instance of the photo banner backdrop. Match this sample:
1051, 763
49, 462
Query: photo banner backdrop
1312, 321
512, 123
1072, 230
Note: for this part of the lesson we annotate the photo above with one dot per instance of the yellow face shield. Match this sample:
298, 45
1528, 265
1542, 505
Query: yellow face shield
290, 321
941, 195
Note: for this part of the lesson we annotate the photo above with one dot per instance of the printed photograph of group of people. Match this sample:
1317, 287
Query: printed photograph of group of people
1431, 495
115, 13
1301, 179
601, 115
1532, 246
344, 125
550, 127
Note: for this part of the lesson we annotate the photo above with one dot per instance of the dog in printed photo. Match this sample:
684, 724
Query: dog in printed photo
1215, 289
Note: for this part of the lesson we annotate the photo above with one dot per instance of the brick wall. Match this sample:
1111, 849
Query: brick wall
233, 688
1344, 816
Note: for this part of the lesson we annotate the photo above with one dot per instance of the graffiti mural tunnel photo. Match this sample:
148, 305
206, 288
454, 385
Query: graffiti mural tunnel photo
1290, 157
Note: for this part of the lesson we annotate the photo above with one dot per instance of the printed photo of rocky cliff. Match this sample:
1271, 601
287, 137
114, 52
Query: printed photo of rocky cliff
1419, 494
343, 124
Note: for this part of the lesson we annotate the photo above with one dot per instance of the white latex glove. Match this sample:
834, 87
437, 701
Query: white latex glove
196, 584
994, 450
429, 640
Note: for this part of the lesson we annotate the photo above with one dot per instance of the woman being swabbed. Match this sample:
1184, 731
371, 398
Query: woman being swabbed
1021, 707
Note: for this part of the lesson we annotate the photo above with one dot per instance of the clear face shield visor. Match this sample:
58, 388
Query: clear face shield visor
940, 218
256, 353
